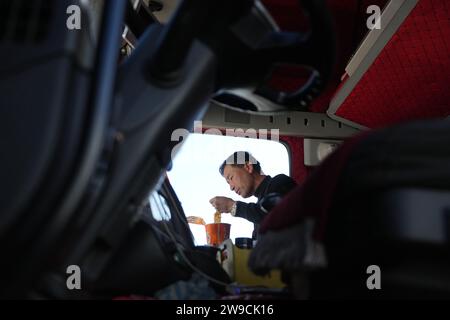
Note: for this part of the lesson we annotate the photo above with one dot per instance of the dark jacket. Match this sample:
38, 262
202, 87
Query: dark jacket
281, 184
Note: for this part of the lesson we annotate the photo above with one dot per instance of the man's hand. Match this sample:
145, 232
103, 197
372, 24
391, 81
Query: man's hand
222, 204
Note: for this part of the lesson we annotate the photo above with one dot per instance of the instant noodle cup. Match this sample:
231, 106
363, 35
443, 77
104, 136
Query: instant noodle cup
216, 233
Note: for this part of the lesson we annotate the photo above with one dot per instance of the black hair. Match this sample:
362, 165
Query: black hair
239, 158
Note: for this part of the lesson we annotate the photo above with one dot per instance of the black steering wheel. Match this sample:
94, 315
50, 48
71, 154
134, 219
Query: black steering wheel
254, 46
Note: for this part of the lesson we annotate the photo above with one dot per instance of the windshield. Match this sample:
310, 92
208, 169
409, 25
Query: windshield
196, 179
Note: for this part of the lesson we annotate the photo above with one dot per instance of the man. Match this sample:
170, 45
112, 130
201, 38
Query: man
243, 173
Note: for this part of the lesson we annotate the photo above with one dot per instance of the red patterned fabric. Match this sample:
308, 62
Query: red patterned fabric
410, 78
299, 171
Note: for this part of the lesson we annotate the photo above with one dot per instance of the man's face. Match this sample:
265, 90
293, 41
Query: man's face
240, 179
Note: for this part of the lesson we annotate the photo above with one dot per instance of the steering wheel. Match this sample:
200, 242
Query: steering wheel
254, 46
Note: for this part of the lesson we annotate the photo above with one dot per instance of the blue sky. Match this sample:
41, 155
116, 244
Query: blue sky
196, 179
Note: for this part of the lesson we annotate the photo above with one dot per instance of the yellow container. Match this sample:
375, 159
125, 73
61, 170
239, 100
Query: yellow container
235, 262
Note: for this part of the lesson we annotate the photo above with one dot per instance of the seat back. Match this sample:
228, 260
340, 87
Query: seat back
390, 209
404, 232
54, 108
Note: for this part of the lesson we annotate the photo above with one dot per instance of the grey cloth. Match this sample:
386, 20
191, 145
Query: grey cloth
290, 249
